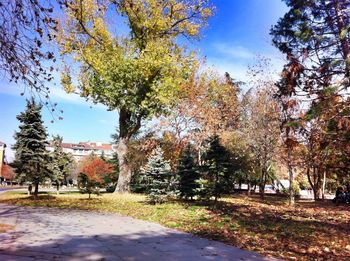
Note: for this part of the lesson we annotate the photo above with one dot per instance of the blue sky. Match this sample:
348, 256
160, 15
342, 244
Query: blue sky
236, 34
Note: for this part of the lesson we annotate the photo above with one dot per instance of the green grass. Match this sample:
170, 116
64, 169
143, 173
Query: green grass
307, 231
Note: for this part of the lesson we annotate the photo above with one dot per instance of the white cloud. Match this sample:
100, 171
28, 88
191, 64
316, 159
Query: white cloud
236, 70
233, 51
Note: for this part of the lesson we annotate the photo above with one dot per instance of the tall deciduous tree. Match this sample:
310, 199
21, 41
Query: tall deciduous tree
209, 106
138, 73
262, 121
31, 157
290, 113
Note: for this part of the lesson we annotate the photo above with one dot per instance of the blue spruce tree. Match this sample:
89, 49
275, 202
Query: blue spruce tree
158, 177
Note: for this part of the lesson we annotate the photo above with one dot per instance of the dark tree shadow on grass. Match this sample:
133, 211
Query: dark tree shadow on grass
274, 226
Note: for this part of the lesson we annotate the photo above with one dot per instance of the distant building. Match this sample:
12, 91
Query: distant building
83, 149
2, 157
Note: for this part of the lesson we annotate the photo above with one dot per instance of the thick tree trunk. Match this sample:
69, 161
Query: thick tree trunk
316, 193
318, 184
36, 190
129, 124
248, 191
124, 179
57, 188
315, 183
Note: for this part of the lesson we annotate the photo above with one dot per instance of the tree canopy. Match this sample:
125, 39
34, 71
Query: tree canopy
139, 73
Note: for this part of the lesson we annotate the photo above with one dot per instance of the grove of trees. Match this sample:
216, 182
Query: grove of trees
184, 128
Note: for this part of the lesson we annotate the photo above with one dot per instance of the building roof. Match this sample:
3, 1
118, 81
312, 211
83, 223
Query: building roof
2, 143
88, 146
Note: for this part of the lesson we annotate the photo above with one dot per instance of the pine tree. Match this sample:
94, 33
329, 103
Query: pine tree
187, 174
60, 163
158, 176
31, 158
217, 168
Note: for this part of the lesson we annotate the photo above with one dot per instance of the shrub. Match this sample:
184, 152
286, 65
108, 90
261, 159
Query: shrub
92, 171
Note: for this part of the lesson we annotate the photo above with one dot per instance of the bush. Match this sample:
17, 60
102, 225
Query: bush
93, 171
110, 188
87, 185
296, 189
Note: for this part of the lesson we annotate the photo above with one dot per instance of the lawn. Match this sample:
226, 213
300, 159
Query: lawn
308, 231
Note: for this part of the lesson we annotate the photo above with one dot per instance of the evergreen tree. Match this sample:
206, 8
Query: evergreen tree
187, 174
60, 163
31, 158
158, 176
217, 168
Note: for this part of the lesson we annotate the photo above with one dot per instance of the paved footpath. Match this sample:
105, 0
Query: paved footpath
55, 234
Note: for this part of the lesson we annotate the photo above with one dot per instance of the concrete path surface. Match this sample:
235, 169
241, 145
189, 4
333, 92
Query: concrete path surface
56, 234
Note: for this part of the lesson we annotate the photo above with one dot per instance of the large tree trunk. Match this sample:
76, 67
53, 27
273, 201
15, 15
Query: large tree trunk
124, 179
315, 184
317, 193
36, 190
129, 124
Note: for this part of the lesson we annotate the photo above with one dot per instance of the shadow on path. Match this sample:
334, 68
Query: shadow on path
55, 234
